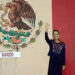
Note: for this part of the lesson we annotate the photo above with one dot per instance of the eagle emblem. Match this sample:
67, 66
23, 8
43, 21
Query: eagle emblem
17, 22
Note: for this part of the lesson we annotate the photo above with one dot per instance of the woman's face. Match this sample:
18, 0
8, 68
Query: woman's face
56, 35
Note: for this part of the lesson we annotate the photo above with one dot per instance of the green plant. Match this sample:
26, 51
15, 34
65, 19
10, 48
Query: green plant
0, 29
4, 32
27, 34
1, 6
37, 32
0, 41
40, 23
32, 40
12, 33
24, 45
7, 46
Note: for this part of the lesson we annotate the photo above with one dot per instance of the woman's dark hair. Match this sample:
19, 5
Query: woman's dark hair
55, 31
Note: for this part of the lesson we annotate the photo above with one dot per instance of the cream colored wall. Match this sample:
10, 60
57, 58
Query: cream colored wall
34, 59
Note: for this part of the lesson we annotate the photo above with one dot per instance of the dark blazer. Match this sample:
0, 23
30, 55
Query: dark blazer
57, 58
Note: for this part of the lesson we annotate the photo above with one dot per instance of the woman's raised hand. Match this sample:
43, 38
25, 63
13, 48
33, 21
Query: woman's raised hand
47, 27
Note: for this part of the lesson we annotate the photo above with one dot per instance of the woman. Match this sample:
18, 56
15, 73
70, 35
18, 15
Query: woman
56, 53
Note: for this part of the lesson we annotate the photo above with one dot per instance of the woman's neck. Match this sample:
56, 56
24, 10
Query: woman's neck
57, 41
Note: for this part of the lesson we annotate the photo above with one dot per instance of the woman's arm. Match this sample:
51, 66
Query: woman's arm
47, 38
46, 33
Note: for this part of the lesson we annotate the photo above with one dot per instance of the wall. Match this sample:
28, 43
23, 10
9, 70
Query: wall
63, 19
